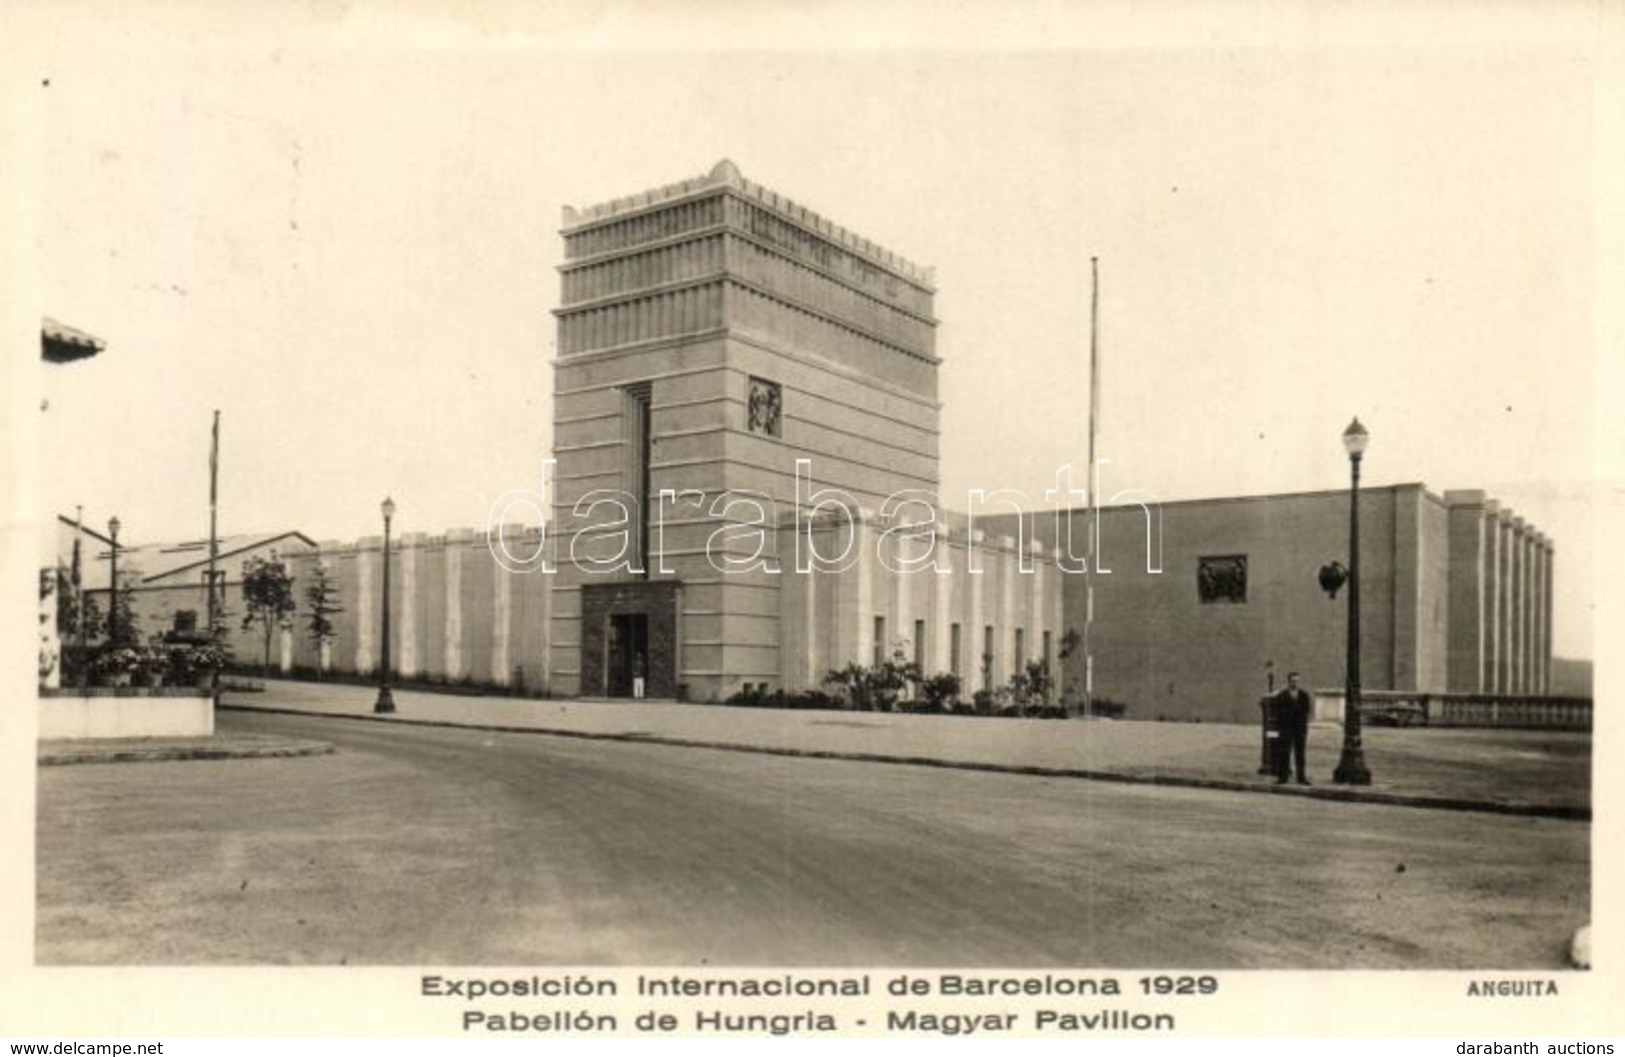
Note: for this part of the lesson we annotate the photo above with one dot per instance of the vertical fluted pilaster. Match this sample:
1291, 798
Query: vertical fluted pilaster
368, 568
408, 658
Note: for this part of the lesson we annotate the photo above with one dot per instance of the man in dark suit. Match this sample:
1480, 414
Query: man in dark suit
1292, 712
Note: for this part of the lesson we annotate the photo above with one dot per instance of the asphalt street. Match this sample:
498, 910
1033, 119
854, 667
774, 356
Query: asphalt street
419, 845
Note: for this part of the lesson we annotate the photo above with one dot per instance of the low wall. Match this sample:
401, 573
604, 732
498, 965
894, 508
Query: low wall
1540, 713
181, 712
1513, 711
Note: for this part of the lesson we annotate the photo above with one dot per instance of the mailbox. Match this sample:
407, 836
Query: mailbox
1274, 743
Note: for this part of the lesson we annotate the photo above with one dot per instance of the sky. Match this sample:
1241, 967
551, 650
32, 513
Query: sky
344, 236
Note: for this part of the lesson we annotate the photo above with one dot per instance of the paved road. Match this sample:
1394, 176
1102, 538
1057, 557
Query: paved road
1506, 768
432, 845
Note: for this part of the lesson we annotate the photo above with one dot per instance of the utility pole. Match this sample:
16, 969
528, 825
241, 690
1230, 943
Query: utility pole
214, 539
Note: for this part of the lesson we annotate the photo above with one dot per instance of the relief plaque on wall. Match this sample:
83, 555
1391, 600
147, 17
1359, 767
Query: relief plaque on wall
1222, 579
764, 407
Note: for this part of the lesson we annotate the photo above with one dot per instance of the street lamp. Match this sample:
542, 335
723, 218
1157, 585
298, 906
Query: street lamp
386, 700
115, 634
1351, 769
78, 581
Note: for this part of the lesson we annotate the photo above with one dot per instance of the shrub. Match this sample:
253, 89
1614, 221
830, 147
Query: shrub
187, 661
940, 690
116, 660
812, 699
758, 696
875, 689
751, 695
1103, 706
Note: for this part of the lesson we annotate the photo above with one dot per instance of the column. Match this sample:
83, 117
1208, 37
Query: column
976, 580
367, 571
900, 586
1515, 606
1494, 587
1035, 603
501, 619
1033, 619
1509, 629
863, 592
1055, 621
813, 661
538, 609
1465, 638
1538, 612
1005, 639
1549, 563
456, 552
405, 616
942, 615
1530, 628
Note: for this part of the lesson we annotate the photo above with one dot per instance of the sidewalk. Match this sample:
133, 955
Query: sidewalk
1517, 772
146, 750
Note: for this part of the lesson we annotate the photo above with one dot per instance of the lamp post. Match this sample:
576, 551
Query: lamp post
115, 632
78, 579
386, 700
1351, 768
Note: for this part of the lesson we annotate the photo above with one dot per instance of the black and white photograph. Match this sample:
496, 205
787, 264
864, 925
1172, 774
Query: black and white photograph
723, 520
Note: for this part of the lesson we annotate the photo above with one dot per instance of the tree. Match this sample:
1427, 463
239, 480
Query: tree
73, 604
267, 597
1028, 690
1038, 682
122, 625
322, 596
940, 690
875, 689
68, 600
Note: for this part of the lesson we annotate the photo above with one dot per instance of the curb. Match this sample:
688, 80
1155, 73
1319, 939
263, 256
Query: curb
1344, 795
64, 758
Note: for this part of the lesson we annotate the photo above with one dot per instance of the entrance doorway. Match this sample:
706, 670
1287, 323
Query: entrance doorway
630, 629
627, 655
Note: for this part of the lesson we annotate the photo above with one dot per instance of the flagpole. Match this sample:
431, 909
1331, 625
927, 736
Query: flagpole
214, 539
1093, 480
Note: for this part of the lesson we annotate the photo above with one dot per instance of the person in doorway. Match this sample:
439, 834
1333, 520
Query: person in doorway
1292, 712
638, 666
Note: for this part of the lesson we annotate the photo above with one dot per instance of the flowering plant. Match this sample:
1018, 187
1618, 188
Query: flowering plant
209, 656
193, 660
118, 661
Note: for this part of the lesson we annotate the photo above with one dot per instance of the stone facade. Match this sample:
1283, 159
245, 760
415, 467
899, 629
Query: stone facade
980, 611
1455, 596
714, 336
1501, 600
456, 613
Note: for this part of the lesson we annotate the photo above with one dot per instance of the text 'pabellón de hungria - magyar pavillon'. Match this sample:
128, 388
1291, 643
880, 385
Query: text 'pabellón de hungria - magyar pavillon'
743, 493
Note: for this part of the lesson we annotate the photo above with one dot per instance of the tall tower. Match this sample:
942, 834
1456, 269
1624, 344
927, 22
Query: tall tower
711, 334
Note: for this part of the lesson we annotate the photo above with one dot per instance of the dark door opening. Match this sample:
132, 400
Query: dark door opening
627, 658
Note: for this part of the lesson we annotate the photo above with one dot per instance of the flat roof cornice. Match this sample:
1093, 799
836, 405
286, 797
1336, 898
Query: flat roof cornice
725, 177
